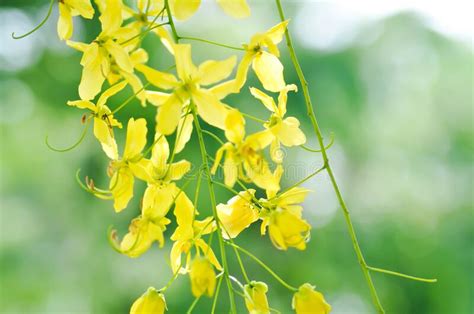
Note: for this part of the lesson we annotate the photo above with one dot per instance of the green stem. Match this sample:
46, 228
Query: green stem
213, 205
394, 273
211, 42
50, 9
331, 142
171, 22
317, 131
302, 180
129, 99
216, 296
268, 269
191, 308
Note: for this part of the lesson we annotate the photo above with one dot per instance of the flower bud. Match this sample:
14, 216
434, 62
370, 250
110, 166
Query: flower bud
256, 298
151, 301
203, 278
309, 301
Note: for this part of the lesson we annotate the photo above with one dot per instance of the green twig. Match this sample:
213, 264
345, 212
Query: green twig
394, 273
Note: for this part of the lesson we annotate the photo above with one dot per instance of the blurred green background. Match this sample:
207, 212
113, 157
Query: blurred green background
393, 82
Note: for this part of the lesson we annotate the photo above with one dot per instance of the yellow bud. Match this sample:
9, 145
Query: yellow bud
309, 301
151, 301
256, 298
203, 278
288, 229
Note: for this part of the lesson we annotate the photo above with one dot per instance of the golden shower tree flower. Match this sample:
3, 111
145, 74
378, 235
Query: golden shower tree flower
132, 164
184, 9
238, 214
68, 9
243, 155
256, 298
152, 301
104, 121
309, 301
285, 131
106, 51
203, 277
188, 235
283, 217
265, 63
187, 90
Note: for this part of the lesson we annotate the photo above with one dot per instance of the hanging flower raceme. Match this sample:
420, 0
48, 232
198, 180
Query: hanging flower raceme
68, 9
285, 131
309, 301
203, 277
188, 235
266, 64
256, 298
152, 301
104, 121
183, 10
243, 155
238, 214
106, 53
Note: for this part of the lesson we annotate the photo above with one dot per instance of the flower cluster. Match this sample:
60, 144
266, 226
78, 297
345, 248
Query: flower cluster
115, 60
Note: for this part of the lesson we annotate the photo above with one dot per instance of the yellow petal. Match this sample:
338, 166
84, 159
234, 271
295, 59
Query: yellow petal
77, 45
185, 129
65, 26
165, 38
234, 126
242, 70
276, 32
212, 71
238, 214
266, 100
137, 86
177, 170
83, 7
283, 98
231, 169
295, 195
209, 253
269, 71
223, 89
157, 200
184, 212
157, 78
136, 138
120, 55
256, 298
210, 108
184, 9
160, 154
156, 98
288, 132
83, 104
150, 302
139, 56
184, 63
169, 115
110, 92
307, 300
121, 185
235, 8
111, 17
203, 277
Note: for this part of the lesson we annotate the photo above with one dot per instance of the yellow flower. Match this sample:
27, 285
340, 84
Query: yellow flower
131, 164
266, 64
203, 278
68, 9
284, 219
184, 9
104, 121
151, 302
188, 234
187, 89
149, 227
256, 298
285, 130
237, 214
309, 301
243, 156
106, 51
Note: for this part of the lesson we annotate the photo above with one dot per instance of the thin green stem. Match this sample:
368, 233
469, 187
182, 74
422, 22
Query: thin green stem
50, 9
268, 269
171, 21
193, 305
302, 180
331, 142
213, 205
77, 143
213, 136
253, 117
129, 99
211, 42
147, 30
394, 273
317, 131
216, 295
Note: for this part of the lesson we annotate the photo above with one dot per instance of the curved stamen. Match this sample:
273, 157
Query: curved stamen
39, 25
79, 141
